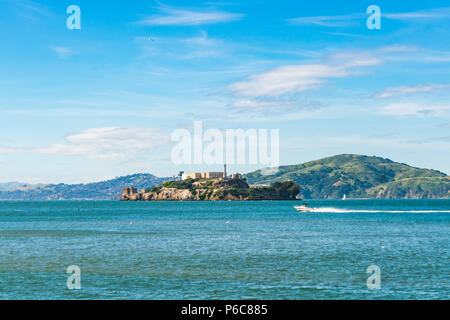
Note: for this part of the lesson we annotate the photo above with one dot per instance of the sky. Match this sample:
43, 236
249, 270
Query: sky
89, 104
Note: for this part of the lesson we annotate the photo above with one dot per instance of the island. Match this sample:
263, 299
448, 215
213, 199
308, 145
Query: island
213, 189
351, 176
345, 176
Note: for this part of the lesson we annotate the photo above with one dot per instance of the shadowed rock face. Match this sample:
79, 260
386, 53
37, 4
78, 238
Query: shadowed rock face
237, 183
211, 190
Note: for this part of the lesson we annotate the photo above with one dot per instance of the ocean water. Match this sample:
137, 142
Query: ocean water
225, 250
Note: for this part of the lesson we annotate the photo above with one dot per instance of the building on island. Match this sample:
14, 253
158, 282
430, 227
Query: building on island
236, 176
129, 191
202, 175
205, 175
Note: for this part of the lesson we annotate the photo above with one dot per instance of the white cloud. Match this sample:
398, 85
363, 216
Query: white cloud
179, 17
415, 109
109, 142
62, 52
298, 78
395, 91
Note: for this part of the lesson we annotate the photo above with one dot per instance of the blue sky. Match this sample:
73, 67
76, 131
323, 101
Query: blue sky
99, 102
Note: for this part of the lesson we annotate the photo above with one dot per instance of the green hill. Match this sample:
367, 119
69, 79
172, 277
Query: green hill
358, 176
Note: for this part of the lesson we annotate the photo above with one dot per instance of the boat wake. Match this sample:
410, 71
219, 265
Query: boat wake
338, 210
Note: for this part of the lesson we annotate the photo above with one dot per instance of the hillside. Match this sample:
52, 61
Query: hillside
355, 176
105, 190
11, 185
358, 176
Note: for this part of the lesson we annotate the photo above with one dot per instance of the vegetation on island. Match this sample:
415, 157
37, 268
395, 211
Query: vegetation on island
357, 176
216, 189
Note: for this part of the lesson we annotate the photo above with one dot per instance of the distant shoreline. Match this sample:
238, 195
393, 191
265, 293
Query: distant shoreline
356, 176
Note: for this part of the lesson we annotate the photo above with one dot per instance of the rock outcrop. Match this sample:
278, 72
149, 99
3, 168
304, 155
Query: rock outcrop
213, 190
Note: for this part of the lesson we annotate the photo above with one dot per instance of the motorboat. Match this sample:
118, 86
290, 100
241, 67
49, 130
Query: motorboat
303, 208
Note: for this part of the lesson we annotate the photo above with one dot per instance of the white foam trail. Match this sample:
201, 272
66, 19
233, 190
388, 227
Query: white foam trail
337, 210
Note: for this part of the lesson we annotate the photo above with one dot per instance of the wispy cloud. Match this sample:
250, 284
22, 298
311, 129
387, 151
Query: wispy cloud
298, 78
203, 46
396, 48
6, 150
275, 106
415, 109
30, 6
180, 17
252, 104
62, 52
109, 142
403, 90
269, 110
422, 15
327, 21
350, 19
29, 10
375, 141
195, 47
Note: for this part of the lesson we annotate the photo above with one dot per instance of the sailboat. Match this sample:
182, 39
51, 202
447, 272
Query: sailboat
344, 197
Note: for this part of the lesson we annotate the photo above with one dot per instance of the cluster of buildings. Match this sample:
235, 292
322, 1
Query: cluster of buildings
209, 175
200, 175
193, 175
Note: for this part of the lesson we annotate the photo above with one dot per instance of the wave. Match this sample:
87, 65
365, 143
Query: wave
339, 210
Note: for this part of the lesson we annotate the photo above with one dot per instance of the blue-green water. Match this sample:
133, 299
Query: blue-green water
225, 250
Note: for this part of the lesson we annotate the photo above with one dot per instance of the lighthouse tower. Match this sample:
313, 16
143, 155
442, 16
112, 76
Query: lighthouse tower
225, 171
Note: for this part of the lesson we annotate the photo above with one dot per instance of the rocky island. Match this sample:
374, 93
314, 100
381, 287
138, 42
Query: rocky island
213, 189
347, 176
